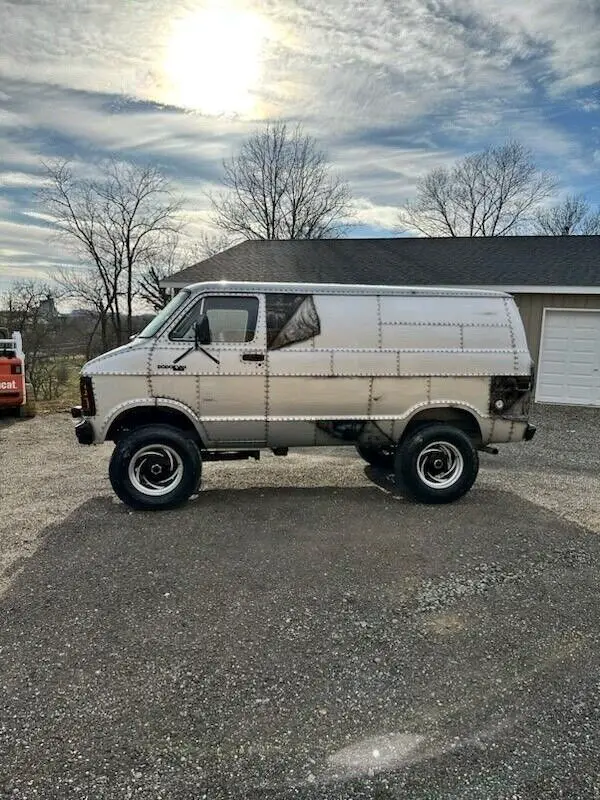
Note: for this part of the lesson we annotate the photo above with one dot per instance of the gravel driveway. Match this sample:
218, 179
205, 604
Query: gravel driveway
46, 474
300, 630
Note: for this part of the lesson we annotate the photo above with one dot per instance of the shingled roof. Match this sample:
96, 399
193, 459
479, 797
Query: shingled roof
568, 261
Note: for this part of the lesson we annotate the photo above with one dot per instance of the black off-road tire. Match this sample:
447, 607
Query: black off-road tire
377, 457
147, 457
439, 454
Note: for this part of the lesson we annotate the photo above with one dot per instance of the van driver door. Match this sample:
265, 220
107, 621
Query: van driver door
222, 370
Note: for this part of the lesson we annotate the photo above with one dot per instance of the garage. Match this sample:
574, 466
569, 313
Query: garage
569, 362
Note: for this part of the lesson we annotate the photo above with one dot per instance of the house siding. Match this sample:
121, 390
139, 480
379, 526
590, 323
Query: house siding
531, 307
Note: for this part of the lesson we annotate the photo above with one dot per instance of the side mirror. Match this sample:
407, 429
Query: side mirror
201, 332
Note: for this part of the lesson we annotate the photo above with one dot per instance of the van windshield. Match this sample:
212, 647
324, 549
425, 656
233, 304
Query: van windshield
159, 320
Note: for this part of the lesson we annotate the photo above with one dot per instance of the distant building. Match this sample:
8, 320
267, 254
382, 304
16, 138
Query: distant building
47, 307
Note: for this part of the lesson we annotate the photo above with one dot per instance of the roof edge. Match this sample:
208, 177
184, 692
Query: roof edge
510, 289
342, 288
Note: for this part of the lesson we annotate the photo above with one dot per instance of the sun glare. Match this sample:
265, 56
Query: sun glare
213, 62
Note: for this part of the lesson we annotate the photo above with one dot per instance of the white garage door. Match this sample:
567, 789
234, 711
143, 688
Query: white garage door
569, 363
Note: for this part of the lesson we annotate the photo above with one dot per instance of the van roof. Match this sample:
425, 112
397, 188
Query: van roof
341, 288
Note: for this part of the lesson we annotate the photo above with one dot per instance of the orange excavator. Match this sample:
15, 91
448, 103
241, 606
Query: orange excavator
13, 388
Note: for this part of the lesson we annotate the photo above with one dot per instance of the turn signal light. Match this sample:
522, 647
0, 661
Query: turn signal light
88, 404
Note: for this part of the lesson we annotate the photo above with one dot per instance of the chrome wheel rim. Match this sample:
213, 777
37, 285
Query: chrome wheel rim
156, 470
440, 465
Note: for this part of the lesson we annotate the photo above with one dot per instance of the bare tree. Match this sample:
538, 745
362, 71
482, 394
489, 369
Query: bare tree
166, 261
571, 217
87, 288
491, 193
280, 187
27, 307
209, 244
116, 224
177, 255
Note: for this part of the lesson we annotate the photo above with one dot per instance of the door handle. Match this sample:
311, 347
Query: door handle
253, 357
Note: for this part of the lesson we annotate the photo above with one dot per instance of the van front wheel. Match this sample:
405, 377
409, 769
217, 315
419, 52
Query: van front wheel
437, 464
155, 467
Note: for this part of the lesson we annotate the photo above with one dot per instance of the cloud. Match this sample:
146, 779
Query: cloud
28, 247
84, 126
390, 90
569, 34
21, 179
343, 60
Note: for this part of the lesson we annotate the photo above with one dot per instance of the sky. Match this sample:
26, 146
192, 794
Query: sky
390, 89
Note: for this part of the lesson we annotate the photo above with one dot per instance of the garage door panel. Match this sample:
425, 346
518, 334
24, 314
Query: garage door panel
583, 382
582, 359
569, 362
580, 397
583, 347
588, 324
560, 345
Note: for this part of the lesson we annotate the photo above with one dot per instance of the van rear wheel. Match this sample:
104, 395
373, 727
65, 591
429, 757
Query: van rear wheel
379, 457
155, 467
437, 464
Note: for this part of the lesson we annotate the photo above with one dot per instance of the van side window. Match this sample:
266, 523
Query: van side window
230, 319
291, 318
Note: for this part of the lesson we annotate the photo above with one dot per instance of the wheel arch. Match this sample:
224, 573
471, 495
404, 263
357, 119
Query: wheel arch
167, 412
465, 418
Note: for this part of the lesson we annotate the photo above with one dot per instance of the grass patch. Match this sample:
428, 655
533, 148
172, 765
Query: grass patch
68, 389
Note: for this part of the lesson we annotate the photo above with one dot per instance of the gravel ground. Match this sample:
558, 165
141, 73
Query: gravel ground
559, 469
47, 474
300, 629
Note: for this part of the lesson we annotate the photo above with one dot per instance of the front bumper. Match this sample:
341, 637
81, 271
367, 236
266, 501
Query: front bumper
84, 432
529, 433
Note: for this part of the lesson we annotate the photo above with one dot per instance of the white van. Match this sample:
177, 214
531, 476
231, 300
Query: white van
416, 379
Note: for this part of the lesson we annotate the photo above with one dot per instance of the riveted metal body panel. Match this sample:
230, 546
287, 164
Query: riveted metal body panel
435, 309
354, 364
362, 363
318, 397
300, 361
352, 323
400, 336
391, 394
486, 337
